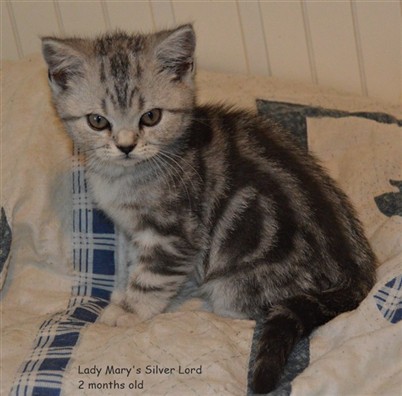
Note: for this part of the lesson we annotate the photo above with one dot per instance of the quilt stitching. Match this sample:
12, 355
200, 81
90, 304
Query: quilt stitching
93, 260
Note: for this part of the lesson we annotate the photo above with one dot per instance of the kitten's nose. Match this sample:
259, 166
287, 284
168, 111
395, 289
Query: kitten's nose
125, 140
126, 149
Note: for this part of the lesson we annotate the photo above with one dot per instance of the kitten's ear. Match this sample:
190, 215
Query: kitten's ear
64, 61
175, 51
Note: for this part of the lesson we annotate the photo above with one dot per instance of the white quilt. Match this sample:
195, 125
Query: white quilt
58, 252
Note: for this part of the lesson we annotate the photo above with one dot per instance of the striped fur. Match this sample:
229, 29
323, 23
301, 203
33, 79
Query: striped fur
214, 202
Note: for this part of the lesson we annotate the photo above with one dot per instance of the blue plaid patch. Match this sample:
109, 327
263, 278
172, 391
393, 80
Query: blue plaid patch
93, 259
389, 300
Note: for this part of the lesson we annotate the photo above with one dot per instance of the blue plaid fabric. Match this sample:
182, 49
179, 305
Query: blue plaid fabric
389, 300
93, 259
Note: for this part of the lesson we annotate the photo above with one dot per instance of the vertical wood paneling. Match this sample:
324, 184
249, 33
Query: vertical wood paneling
163, 14
106, 16
220, 45
309, 42
349, 45
254, 38
82, 18
130, 16
286, 40
380, 32
35, 13
359, 50
9, 47
334, 45
59, 18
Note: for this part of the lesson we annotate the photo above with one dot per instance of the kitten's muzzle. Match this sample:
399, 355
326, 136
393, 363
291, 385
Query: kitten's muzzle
125, 140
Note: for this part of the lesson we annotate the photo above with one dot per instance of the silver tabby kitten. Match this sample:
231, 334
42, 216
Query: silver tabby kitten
206, 196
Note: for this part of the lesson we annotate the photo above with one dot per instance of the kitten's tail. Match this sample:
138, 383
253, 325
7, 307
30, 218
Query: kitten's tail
288, 322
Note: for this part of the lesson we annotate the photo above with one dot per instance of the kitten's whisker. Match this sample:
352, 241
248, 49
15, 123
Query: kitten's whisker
187, 163
171, 166
155, 160
169, 157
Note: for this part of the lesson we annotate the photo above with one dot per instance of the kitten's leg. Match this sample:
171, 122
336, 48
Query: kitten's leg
153, 282
125, 260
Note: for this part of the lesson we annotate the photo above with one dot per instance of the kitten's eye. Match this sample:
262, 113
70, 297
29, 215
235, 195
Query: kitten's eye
151, 118
98, 122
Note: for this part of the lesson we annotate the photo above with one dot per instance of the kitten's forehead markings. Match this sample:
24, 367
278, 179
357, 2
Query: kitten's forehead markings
133, 92
102, 73
119, 69
122, 62
141, 102
103, 106
139, 70
124, 89
125, 98
121, 93
111, 97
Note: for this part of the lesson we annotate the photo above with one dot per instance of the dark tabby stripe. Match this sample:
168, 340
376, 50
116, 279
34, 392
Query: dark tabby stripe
145, 289
163, 263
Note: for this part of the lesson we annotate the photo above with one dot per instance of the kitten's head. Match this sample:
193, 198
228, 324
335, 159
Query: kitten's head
123, 98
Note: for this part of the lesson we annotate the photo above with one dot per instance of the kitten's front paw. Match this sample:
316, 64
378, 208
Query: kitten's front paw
115, 315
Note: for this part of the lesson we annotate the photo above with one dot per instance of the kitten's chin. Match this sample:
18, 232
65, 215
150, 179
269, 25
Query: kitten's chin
111, 165
125, 162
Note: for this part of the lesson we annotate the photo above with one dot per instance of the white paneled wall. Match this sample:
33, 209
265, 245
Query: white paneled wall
348, 45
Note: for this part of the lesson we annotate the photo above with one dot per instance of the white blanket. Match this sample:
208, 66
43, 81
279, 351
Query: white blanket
59, 270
